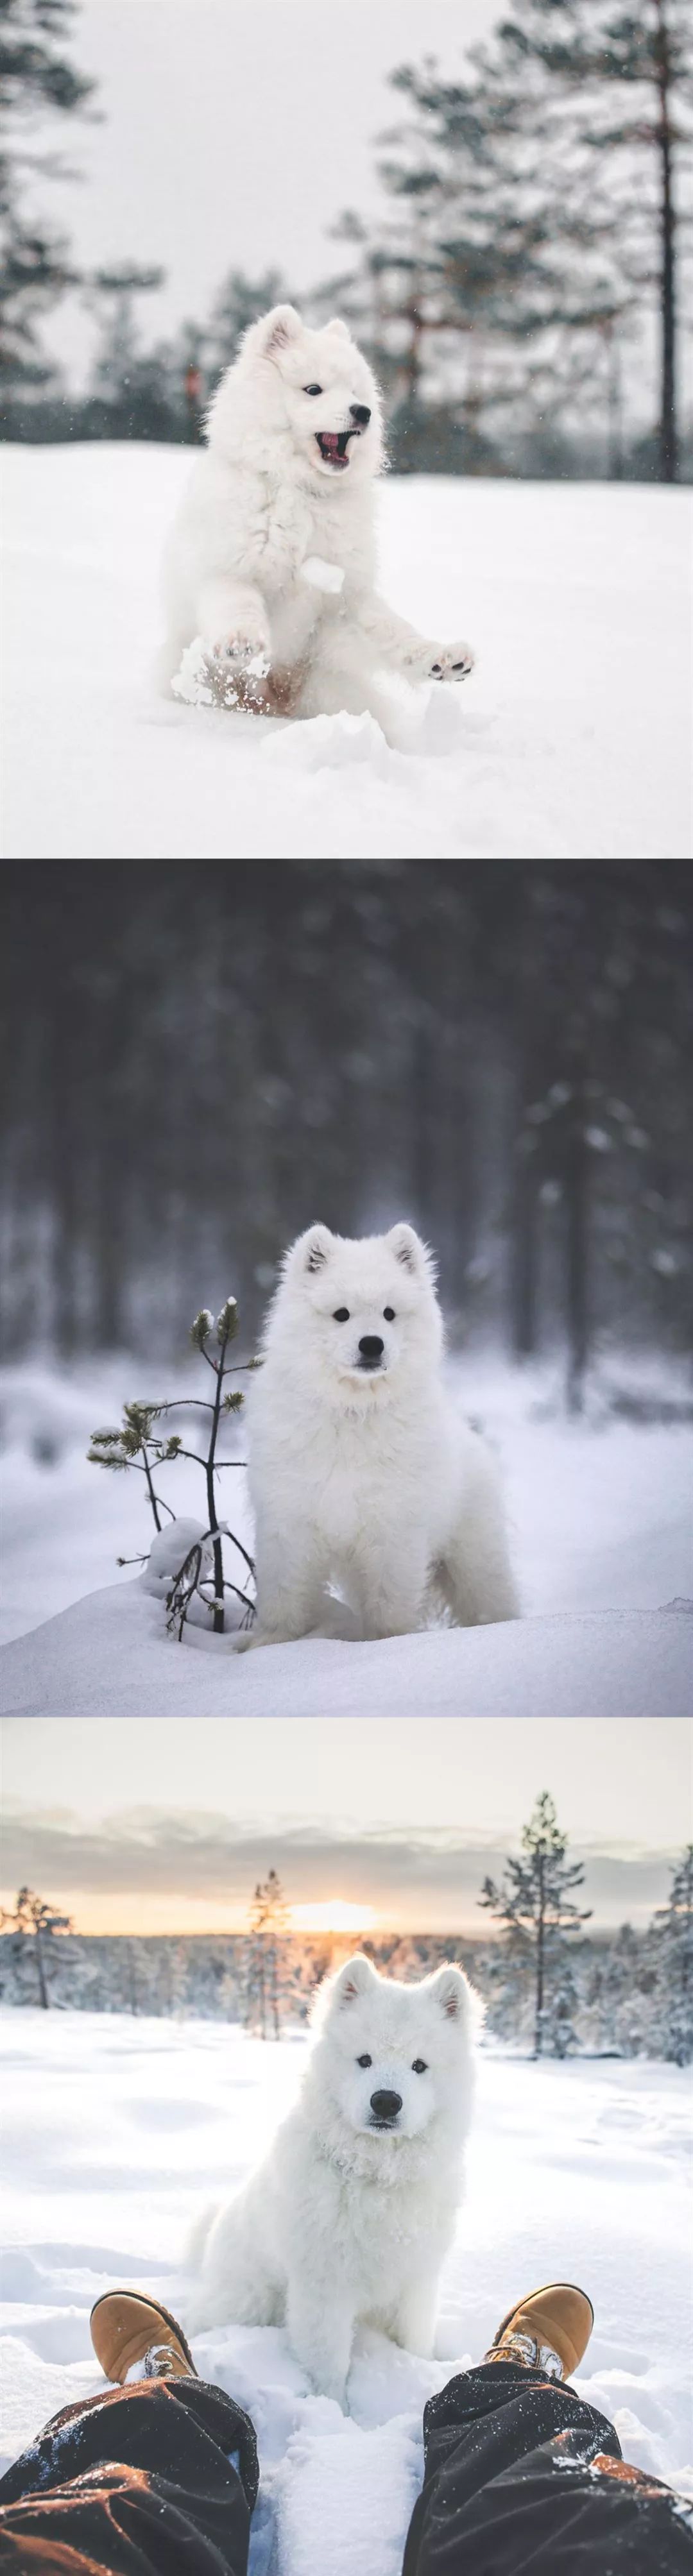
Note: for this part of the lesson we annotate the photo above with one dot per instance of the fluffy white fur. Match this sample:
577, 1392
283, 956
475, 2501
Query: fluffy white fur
346, 2222
269, 525
361, 1476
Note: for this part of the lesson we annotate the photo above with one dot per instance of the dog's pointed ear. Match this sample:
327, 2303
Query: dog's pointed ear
336, 324
353, 1980
278, 328
311, 1251
449, 1989
411, 1252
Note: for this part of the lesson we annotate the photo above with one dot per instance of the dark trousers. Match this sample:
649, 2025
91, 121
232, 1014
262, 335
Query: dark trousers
160, 2479
521, 2475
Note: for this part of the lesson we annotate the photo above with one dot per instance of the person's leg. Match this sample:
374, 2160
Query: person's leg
156, 2478
520, 2473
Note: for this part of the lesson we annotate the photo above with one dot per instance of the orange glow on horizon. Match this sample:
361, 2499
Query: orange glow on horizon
335, 1914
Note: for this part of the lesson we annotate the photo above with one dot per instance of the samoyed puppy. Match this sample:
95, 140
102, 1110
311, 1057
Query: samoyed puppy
350, 2215
363, 1481
271, 561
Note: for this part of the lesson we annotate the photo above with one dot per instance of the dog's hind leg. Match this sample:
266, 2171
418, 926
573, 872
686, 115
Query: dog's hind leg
474, 1573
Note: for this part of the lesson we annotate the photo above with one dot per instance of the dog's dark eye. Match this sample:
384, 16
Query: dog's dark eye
364, 2061
419, 2067
388, 1314
312, 389
342, 1317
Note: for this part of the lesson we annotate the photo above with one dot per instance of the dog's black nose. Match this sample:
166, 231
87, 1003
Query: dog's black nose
386, 2105
361, 414
371, 1347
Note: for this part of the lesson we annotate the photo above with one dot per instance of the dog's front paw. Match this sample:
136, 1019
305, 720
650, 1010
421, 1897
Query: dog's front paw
242, 653
451, 662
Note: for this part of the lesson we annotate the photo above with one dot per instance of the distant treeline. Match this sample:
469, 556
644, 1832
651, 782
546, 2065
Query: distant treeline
613, 1982
501, 1054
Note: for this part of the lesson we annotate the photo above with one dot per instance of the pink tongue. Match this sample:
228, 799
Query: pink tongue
330, 439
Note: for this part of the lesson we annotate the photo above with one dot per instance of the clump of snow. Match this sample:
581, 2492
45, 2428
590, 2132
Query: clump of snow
168, 1552
575, 2171
572, 740
320, 575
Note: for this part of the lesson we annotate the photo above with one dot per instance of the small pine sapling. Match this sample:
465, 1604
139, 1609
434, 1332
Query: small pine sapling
138, 1444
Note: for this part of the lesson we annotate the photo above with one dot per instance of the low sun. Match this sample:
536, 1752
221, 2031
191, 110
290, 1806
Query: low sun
333, 1915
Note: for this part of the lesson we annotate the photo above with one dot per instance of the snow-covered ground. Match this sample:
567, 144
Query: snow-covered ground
601, 1518
576, 2169
572, 739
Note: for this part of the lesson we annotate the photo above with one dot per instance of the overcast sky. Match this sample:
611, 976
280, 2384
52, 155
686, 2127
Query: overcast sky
234, 134
160, 1825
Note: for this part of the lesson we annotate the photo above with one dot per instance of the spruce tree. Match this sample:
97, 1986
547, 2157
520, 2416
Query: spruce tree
535, 1904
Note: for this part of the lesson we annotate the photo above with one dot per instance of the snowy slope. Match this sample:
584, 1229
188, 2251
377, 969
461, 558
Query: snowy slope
107, 1657
571, 740
576, 2169
600, 1512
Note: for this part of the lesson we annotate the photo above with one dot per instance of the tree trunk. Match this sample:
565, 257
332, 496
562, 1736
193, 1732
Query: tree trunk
577, 1218
668, 444
44, 1997
539, 2013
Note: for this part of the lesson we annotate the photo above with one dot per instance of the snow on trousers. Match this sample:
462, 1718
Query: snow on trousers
520, 2474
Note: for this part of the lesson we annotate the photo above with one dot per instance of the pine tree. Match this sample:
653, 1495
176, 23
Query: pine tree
535, 1904
269, 1973
35, 1925
673, 1924
138, 1444
35, 265
600, 95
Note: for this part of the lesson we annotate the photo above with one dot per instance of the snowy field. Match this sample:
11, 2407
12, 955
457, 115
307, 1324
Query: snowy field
576, 2169
571, 740
600, 1512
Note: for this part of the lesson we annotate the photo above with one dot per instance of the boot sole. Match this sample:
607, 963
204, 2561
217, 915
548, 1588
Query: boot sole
159, 2311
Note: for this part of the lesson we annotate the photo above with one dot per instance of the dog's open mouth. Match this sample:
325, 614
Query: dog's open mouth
334, 445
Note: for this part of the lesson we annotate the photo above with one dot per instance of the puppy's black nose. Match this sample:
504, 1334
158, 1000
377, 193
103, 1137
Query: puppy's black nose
361, 414
386, 2105
371, 1347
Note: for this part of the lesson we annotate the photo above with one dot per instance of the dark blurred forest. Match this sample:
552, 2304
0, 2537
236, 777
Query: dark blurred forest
198, 1061
524, 273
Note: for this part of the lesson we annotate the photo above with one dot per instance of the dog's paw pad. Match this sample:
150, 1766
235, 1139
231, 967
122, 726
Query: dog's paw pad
454, 662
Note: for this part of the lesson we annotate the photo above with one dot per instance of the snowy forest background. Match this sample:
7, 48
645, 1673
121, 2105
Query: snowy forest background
198, 1061
522, 293
549, 1988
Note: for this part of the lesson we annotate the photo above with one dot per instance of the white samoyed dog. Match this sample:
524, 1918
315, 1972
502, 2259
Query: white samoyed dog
351, 2213
361, 1476
271, 561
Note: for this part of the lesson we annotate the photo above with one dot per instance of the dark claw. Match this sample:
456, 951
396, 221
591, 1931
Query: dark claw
436, 669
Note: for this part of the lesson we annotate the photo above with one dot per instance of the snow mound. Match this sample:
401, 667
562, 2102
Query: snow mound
599, 2194
107, 1656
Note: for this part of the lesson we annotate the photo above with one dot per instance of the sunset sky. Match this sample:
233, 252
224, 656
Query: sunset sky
162, 1826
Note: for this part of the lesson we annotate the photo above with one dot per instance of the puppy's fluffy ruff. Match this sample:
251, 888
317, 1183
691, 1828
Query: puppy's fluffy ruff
271, 516
361, 1477
347, 2221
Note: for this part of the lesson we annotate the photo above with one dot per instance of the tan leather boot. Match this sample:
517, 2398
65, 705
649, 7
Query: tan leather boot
548, 2331
127, 2330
